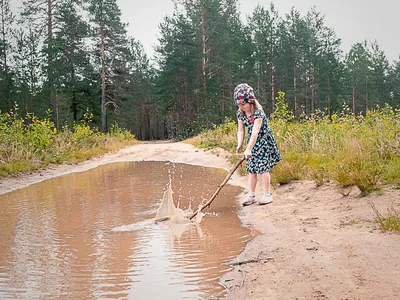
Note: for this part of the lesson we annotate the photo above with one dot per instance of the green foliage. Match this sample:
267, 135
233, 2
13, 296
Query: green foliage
391, 221
30, 143
82, 133
282, 111
350, 150
23, 137
223, 136
287, 172
120, 133
7, 169
39, 133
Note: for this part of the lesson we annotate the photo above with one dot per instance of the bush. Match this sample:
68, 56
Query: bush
343, 148
27, 144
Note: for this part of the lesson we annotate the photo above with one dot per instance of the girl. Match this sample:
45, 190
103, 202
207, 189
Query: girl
261, 152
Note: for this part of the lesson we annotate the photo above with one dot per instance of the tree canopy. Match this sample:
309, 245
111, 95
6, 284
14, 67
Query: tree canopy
70, 56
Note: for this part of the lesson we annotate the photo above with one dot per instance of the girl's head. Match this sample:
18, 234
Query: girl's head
244, 98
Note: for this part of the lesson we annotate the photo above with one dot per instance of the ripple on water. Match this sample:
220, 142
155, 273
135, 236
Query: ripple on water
92, 235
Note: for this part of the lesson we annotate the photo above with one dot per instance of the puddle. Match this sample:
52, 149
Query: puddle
91, 235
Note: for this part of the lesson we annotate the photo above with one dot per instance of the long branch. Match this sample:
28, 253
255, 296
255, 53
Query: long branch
218, 190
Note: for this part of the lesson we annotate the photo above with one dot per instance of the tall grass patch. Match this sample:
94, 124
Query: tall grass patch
343, 148
346, 149
223, 136
29, 143
390, 221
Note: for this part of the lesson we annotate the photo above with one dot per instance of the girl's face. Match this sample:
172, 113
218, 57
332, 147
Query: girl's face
244, 106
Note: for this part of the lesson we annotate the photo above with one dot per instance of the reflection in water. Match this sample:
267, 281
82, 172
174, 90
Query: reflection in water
90, 235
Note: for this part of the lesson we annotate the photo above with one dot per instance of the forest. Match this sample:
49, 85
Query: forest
64, 59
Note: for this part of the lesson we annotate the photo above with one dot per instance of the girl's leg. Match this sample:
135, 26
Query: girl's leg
252, 189
252, 182
266, 184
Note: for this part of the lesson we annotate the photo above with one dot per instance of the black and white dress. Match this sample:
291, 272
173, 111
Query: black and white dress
265, 153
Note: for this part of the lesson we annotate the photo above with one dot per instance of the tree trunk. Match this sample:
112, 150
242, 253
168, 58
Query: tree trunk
5, 62
147, 122
312, 90
103, 86
329, 96
32, 90
185, 93
354, 100
258, 78
50, 50
74, 97
204, 52
272, 88
295, 92
57, 107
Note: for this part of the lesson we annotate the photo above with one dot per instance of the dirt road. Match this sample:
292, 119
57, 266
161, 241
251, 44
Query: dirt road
312, 243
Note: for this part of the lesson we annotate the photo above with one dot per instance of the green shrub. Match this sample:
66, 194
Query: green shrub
350, 150
29, 143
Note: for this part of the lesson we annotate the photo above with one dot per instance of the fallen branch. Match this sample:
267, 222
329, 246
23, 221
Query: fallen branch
250, 261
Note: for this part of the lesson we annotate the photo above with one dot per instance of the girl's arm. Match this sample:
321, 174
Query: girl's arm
240, 136
254, 135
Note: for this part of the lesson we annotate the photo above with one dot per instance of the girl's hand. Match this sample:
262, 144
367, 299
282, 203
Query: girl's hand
239, 149
247, 153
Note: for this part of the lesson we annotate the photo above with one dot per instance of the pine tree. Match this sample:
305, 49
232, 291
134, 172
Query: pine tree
394, 84
358, 66
179, 80
201, 56
379, 77
73, 72
227, 38
7, 22
323, 57
40, 17
139, 113
111, 52
293, 48
264, 26
28, 71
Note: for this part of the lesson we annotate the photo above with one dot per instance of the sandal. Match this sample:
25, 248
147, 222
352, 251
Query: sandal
249, 201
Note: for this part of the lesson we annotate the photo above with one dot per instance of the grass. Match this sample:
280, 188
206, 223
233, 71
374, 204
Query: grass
28, 144
389, 222
349, 150
7, 169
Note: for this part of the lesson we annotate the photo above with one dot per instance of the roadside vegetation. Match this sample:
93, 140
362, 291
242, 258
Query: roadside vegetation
348, 149
28, 143
389, 221
343, 148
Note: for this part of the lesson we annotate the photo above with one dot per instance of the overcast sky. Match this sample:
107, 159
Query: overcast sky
352, 20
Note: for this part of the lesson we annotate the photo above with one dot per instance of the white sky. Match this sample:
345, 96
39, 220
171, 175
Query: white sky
352, 20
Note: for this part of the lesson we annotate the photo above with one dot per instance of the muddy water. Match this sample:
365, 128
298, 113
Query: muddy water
90, 235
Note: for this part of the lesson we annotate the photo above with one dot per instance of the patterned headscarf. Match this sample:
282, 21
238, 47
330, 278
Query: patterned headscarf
243, 93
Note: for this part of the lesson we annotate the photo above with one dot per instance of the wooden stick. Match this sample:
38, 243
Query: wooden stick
218, 190
161, 219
